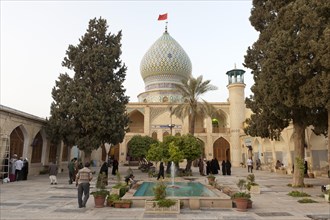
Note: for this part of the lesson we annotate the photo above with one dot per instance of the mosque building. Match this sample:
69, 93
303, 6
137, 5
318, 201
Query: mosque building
165, 65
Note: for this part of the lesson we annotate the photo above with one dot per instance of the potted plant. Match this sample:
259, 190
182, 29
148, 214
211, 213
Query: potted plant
241, 198
120, 188
251, 185
122, 203
101, 193
211, 179
111, 198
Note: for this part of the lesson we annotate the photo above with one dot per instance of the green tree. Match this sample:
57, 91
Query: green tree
283, 61
176, 155
90, 108
191, 91
155, 153
59, 127
317, 90
139, 146
190, 146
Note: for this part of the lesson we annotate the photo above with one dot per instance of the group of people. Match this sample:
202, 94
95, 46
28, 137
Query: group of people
18, 168
83, 175
212, 167
74, 166
249, 164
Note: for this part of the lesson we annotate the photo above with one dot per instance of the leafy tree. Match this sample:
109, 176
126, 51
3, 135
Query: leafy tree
139, 146
59, 126
283, 61
155, 153
317, 90
190, 146
191, 91
176, 155
89, 109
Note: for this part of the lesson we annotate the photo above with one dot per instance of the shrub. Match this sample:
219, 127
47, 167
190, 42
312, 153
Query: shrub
298, 194
160, 191
123, 190
101, 192
113, 197
307, 200
166, 202
241, 184
242, 195
251, 178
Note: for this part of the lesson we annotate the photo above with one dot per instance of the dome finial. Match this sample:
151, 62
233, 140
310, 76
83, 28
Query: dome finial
166, 26
234, 65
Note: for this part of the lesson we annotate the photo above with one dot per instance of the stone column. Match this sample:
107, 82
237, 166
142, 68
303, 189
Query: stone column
236, 88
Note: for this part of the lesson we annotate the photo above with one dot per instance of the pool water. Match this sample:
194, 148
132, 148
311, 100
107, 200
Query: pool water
180, 189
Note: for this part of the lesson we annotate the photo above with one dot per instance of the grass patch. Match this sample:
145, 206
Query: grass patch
298, 194
299, 186
307, 200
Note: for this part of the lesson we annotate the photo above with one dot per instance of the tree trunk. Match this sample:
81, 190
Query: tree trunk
329, 142
88, 155
192, 124
299, 141
188, 166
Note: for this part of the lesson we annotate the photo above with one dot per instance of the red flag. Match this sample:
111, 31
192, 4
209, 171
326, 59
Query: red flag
162, 17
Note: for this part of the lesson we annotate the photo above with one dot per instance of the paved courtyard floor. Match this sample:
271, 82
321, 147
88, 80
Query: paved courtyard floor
36, 199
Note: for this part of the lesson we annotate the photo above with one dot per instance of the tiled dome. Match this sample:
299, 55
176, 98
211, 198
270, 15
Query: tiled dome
165, 57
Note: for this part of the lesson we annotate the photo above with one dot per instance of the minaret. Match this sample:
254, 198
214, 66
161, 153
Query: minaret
237, 112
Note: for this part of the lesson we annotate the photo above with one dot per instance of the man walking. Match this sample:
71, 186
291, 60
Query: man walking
53, 170
250, 165
71, 171
84, 176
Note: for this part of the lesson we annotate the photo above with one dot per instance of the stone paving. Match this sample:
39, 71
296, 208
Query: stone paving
36, 199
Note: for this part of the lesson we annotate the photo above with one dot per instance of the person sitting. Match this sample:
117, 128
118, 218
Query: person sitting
130, 180
324, 188
278, 164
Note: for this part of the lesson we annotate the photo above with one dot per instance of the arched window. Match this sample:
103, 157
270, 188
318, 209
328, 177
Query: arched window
37, 149
52, 153
65, 153
154, 135
165, 134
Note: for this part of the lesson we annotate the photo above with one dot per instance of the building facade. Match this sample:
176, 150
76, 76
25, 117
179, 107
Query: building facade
164, 66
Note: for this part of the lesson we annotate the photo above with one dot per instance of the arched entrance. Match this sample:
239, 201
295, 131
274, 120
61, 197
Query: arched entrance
221, 149
16, 142
37, 148
136, 122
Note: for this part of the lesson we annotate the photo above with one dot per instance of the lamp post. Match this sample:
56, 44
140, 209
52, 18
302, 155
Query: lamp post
171, 126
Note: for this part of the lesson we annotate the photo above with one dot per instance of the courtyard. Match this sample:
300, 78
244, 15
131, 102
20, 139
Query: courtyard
37, 199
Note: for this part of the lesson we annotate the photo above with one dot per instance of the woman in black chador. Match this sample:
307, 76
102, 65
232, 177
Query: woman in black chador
213, 167
228, 167
25, 169
223, 166
115, 167
161, 171
104, 169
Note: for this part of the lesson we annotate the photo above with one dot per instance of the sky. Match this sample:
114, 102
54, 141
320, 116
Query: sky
36, 34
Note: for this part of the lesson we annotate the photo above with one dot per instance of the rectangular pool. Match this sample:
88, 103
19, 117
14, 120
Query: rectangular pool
180, 189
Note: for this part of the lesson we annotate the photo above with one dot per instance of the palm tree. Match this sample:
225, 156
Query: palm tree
191, 91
